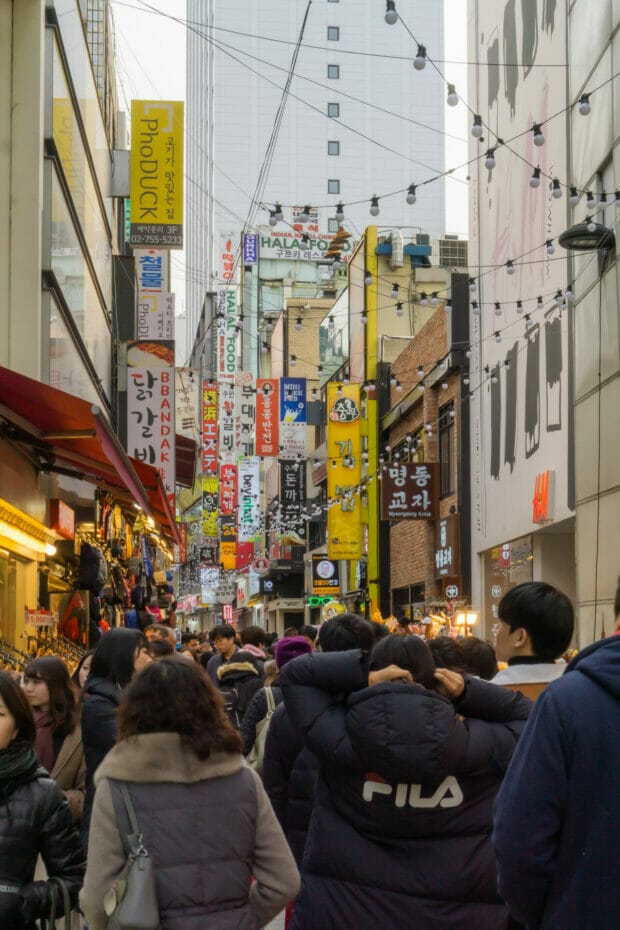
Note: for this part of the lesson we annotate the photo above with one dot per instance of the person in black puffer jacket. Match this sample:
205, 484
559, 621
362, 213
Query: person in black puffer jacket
118, 656
238, 680
34, 820
400, 834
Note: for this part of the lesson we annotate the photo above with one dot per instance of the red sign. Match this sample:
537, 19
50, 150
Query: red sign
228, 489
245, 554
209, 428
540, 501
62, 519
409, 491
227, 612
267, 416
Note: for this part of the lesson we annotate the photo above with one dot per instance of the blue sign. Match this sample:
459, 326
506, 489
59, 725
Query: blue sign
293, 400
250, 249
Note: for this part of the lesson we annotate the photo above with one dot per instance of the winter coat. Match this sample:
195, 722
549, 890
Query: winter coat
99, 731
208, 827
556, 834
69, 771
242, 674
257, 711
290, 774
530, 678
400, 834
35, 820
214, 663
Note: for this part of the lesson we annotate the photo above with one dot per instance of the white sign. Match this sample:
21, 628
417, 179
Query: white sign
245, 413
187, 402
283, 244
249, 512
155, 315
226, 336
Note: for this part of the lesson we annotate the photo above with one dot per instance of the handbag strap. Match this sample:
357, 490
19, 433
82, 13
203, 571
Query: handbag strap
271, 704
133, 820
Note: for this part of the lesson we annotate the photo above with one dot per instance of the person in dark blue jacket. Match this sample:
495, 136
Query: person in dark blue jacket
400, 831
557, 821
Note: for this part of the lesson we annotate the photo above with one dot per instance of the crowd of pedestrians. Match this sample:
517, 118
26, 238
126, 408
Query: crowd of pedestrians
357, 778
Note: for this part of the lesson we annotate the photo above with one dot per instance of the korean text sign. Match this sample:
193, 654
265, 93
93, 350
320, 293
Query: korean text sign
209, 428
156, 174
409, 491
267, 416
344, 518
293, 418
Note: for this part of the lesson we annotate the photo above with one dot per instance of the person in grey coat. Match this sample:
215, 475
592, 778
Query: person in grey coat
204, 815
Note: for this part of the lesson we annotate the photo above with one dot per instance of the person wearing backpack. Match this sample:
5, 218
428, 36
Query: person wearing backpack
287, 648
238, 680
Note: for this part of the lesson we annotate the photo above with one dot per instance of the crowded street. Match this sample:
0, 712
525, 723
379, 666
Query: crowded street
309, 465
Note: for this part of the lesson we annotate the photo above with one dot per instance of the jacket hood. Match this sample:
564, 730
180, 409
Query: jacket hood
406, 730
239, 667
103, 687
601, 663
161, 757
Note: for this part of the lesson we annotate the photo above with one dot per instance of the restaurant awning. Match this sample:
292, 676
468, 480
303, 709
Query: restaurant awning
72, 437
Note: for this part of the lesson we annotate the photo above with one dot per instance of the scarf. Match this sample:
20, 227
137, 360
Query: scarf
18, 763
44, 743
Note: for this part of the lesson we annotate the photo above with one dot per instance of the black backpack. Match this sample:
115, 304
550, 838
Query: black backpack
230, 696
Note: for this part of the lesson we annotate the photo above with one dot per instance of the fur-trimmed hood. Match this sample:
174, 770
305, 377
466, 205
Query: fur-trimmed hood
241, 666
161, 757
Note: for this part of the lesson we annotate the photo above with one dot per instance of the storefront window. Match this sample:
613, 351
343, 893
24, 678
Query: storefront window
67, 370
505, 567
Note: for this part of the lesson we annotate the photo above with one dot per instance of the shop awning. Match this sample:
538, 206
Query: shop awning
72, 437
185, 460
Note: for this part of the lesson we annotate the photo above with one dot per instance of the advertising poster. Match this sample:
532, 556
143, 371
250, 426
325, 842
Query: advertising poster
344, 518
267, 416
325, 576
150, 408
156, 174
293, 418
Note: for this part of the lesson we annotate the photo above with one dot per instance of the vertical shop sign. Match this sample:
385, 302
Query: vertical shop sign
150, 408
447, 562
248, 514
210, 506
293, 418
228, 489
292, 499
156, 174
250, 249
267, 416
155, 315
226, 434
245, 413
209, 428
344, 519
187, 402
226, 335
228, 542
409, 491
227, 271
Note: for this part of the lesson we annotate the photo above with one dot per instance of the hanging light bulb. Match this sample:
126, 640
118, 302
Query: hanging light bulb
574, 197
444, 385
394, 291
602, 202
434, 298
336, 263
519, 306
345, 378
539, 302
498, 308
474, 307
465, 379
399, 387
556, 189
467, 352
374, 206
528, 321
399, 308
391, 16
339, 212
367, 278
264, 347
420, 371
419, 62
315, 393
339, 390
476, 129
278, 212
298, 324
293, 361
305, 216
590, 201
472, 284
453, 98
498, 336
617, 198
393, 380
537, 134
364, 318
448, 304
510, 268
489, 161
269, 325
535, 179
429, 429
424, 298
421, 387
591, 225
272, 218
569, 294
550, 246
584, 104
319, 369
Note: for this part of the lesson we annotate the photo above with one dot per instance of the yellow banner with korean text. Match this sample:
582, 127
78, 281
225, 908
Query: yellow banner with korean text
344, 471
210, 511
156, 174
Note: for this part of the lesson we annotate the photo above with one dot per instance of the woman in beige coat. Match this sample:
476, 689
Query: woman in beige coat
58, 745
220, 859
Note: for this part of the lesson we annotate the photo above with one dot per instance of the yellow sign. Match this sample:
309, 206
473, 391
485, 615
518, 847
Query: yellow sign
344, 472
156, 182
228, 555
210, 506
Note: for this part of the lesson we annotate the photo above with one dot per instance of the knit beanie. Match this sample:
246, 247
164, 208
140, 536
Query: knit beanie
289, 647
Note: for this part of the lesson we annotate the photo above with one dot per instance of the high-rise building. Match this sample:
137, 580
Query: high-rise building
359, 121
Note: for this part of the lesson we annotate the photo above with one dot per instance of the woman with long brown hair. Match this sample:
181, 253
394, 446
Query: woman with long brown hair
203, 814
58, 743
